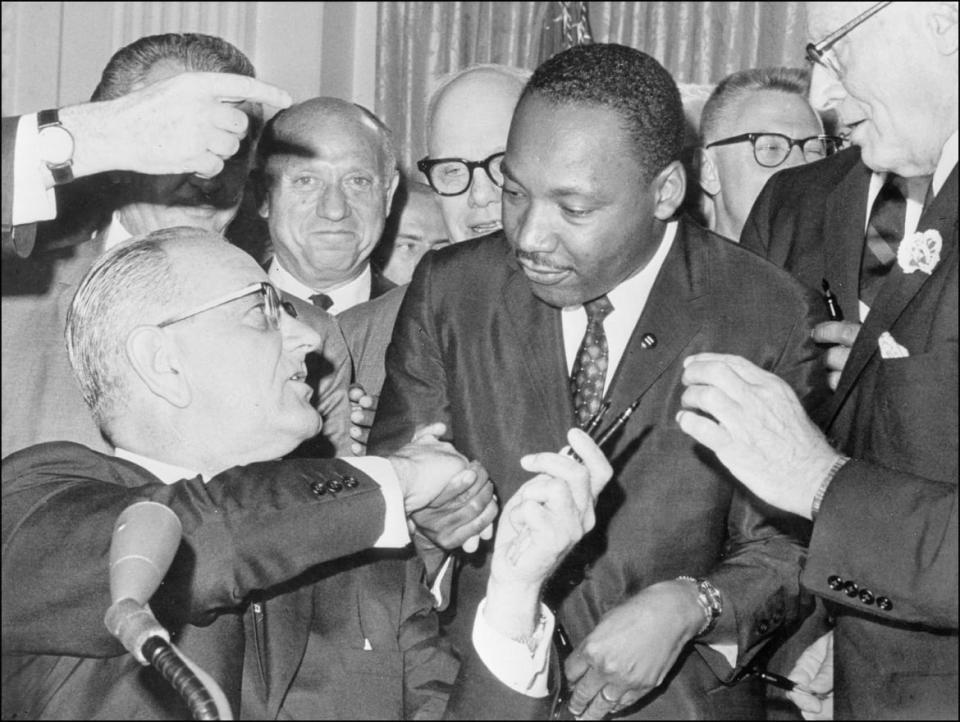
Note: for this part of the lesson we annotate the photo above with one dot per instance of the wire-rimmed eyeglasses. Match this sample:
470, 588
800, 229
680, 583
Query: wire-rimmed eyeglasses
772, 149
273, 307
453, 176
817, 52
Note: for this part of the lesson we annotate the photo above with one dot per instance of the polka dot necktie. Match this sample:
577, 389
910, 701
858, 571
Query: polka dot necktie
590, 366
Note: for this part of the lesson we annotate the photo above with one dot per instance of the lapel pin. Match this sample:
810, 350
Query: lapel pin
648, 341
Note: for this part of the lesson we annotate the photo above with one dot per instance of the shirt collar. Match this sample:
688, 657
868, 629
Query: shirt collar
947, 162
167, 473
115, 233
346, 296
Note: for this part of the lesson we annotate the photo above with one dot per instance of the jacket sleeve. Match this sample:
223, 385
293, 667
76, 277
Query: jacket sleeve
17, 240
415, 389
248, 528
759, 574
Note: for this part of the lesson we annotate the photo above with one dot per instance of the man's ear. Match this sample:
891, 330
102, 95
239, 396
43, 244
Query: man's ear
942, 21
670, 186
709, 177
155, 361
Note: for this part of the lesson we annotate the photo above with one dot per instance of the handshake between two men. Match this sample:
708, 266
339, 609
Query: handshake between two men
539, 524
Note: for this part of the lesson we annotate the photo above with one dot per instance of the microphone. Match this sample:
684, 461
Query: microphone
145, 539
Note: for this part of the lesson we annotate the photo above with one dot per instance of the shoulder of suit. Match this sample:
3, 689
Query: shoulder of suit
53, 459
823, 174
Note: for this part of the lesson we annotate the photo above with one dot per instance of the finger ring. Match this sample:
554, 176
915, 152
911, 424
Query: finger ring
607, 699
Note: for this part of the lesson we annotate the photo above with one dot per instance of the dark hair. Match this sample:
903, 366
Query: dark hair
744, 83
197, 52
628, 82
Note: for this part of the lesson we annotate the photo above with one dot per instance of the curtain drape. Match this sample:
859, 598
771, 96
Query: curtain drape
698, 42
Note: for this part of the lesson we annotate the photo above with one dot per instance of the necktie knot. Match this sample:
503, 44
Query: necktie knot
598, 309
322, 300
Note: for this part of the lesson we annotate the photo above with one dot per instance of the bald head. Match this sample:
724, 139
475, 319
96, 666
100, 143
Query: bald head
469, 117
328, 171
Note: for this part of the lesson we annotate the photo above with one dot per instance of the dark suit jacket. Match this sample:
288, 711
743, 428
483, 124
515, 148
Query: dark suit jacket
888, 524
474, 348
367, 329
247, 529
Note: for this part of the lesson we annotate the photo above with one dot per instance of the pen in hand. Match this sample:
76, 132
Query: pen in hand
789, 685
833, 305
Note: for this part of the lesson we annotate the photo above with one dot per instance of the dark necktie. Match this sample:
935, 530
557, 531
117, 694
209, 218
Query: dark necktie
884, 231
590, 366
322, 300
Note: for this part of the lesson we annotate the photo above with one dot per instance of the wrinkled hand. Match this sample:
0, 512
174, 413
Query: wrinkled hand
814, 669
540, 523
433, 471
363, 407
460, 516
759, 430
189, 123
631, 651
841, 335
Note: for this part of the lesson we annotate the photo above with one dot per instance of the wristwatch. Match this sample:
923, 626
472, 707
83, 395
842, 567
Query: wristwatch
56, 146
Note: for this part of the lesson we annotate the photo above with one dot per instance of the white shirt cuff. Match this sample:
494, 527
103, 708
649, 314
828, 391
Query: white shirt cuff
395, 533
511, 661
32, 200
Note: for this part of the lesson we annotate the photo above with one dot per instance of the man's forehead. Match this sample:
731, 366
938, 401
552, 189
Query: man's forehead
325, 140
772, 110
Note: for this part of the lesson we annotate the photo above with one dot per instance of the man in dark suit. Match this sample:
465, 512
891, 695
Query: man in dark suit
328, 172
883, 555
488, 335
195, 370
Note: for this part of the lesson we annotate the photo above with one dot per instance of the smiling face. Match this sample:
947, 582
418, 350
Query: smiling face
326, 204
576, 208
247, 378
471, 121
897, 86
167, 201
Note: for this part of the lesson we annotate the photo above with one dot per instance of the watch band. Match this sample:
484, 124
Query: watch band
61, 172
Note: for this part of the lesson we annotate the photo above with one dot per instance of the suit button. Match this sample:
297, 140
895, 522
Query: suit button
762, 627
318, 488
851, 589
334, 485
884, 604
835, 582
350, 481
866, 596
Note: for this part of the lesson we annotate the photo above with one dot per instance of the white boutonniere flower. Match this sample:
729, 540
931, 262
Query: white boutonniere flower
920, 251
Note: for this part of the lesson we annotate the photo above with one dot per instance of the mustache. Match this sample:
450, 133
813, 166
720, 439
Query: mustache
541, 260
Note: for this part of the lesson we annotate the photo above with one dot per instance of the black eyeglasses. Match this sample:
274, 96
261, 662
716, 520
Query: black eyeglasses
272, 305
771, 149
453, 176
817, 52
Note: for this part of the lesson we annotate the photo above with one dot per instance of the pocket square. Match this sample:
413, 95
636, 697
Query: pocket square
889, 348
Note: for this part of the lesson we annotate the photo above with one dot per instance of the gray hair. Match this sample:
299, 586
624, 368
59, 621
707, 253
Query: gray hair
440, 84
736, 87
130, 285
195, 51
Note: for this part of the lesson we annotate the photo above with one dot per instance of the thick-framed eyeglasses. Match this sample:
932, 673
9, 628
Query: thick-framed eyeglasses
817, 53
273, 307
772, 149
453, 176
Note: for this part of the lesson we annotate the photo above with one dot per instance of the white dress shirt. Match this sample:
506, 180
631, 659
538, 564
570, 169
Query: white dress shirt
348, 295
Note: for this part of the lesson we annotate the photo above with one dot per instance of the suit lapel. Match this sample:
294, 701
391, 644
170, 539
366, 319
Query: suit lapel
671, 316
899, 289
538, 336
844, 223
